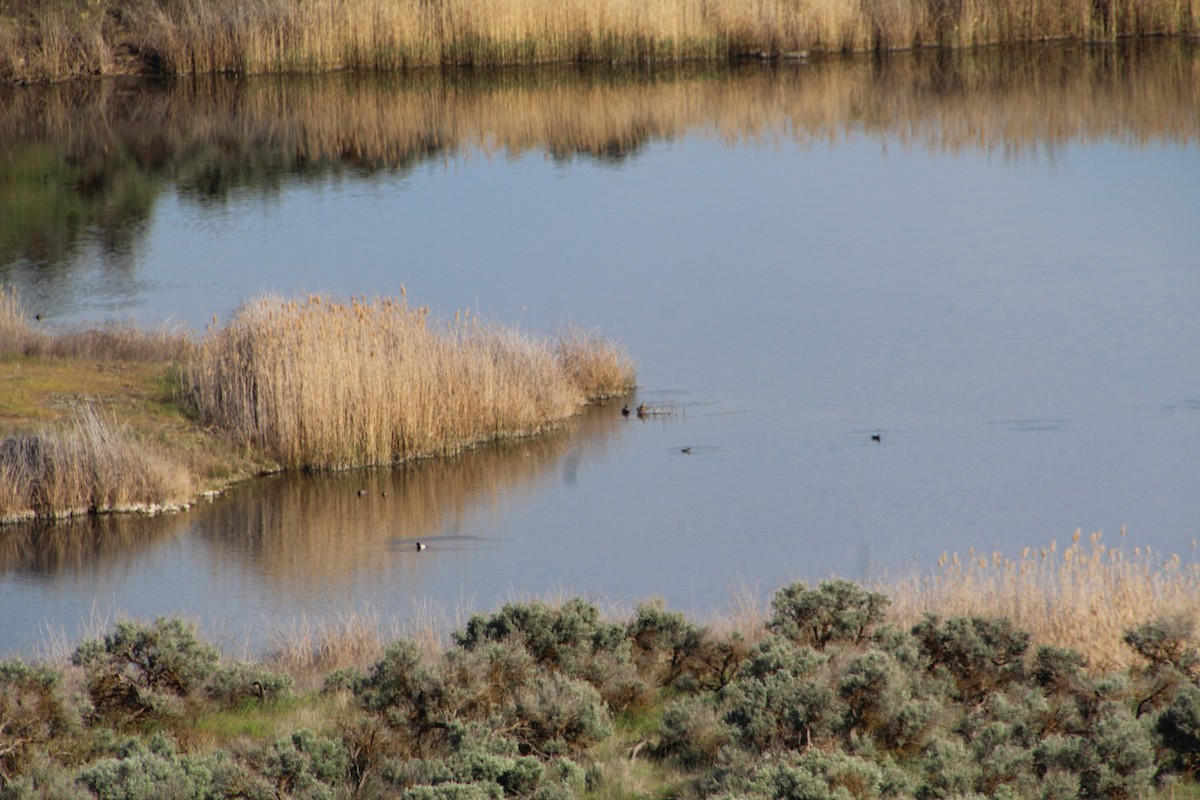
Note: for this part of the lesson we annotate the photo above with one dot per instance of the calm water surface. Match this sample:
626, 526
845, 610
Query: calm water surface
991, 261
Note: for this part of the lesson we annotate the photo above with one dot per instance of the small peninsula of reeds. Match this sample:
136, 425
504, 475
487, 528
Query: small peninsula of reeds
321, 383
117, 418
46, 40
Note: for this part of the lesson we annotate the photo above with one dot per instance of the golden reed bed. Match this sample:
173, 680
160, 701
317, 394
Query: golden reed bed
47, 40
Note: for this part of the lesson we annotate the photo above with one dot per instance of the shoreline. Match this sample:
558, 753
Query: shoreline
122, 420
53, 42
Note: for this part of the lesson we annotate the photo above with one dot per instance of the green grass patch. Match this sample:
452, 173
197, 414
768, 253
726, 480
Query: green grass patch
267, 722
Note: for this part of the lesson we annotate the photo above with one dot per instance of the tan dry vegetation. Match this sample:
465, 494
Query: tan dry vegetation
328, 384
1084, 597
92, 465
57, 39
316, 383
598, 367
22, 336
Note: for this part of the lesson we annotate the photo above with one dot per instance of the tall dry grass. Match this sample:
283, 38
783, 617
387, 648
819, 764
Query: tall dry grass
599, 367
1085, 596
319, 383
92, 465
57, 39
23, 335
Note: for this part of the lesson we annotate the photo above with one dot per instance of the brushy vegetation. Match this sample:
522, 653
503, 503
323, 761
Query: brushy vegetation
58, 39
825, 698
310, 384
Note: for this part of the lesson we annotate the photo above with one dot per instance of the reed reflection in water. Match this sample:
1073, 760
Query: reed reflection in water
85, 164
292, 544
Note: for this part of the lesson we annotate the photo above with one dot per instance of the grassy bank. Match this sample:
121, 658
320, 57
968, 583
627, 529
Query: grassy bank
829, 693
116, 418
61, 39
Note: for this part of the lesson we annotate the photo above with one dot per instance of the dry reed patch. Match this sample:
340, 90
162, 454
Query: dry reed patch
91, 465
600, 368
319, 383
17, 336
1084, 597
53, 40
21, 335
309, 651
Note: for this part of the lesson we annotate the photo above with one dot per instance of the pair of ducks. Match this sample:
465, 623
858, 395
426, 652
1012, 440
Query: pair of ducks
641, 410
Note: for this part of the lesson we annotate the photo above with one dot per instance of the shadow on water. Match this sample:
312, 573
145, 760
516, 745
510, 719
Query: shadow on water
83, 164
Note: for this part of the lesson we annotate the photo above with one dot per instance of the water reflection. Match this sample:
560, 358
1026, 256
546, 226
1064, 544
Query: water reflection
83, 164
993, 268
300, 536
52, 552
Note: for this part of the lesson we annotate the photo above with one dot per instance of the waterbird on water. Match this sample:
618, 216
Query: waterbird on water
625, 410
362, 492
643, 410
686, 450
875, 437
420, 546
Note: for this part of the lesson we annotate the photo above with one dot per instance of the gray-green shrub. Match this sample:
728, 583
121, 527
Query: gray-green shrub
32, 714
143, 669
155, 771
240, 681
780, 701
690, 733
837, 610
980, 654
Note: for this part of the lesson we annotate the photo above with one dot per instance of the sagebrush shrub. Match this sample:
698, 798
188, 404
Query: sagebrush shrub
1179, 727
555, 637
690, 733
781, 700
235, 683
980, 654
1168, 642
307, 766
143, 669
883, 704
557, 715
155, 771
837, 610
32, 714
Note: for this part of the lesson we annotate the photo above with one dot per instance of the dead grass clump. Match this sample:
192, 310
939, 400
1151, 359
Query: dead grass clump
600, 368
121, 342
17, 335
1085, 597
90, 466
319, 383
309, 651
22, 336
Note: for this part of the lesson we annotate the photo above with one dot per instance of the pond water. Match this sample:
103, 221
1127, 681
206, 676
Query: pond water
990, 260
